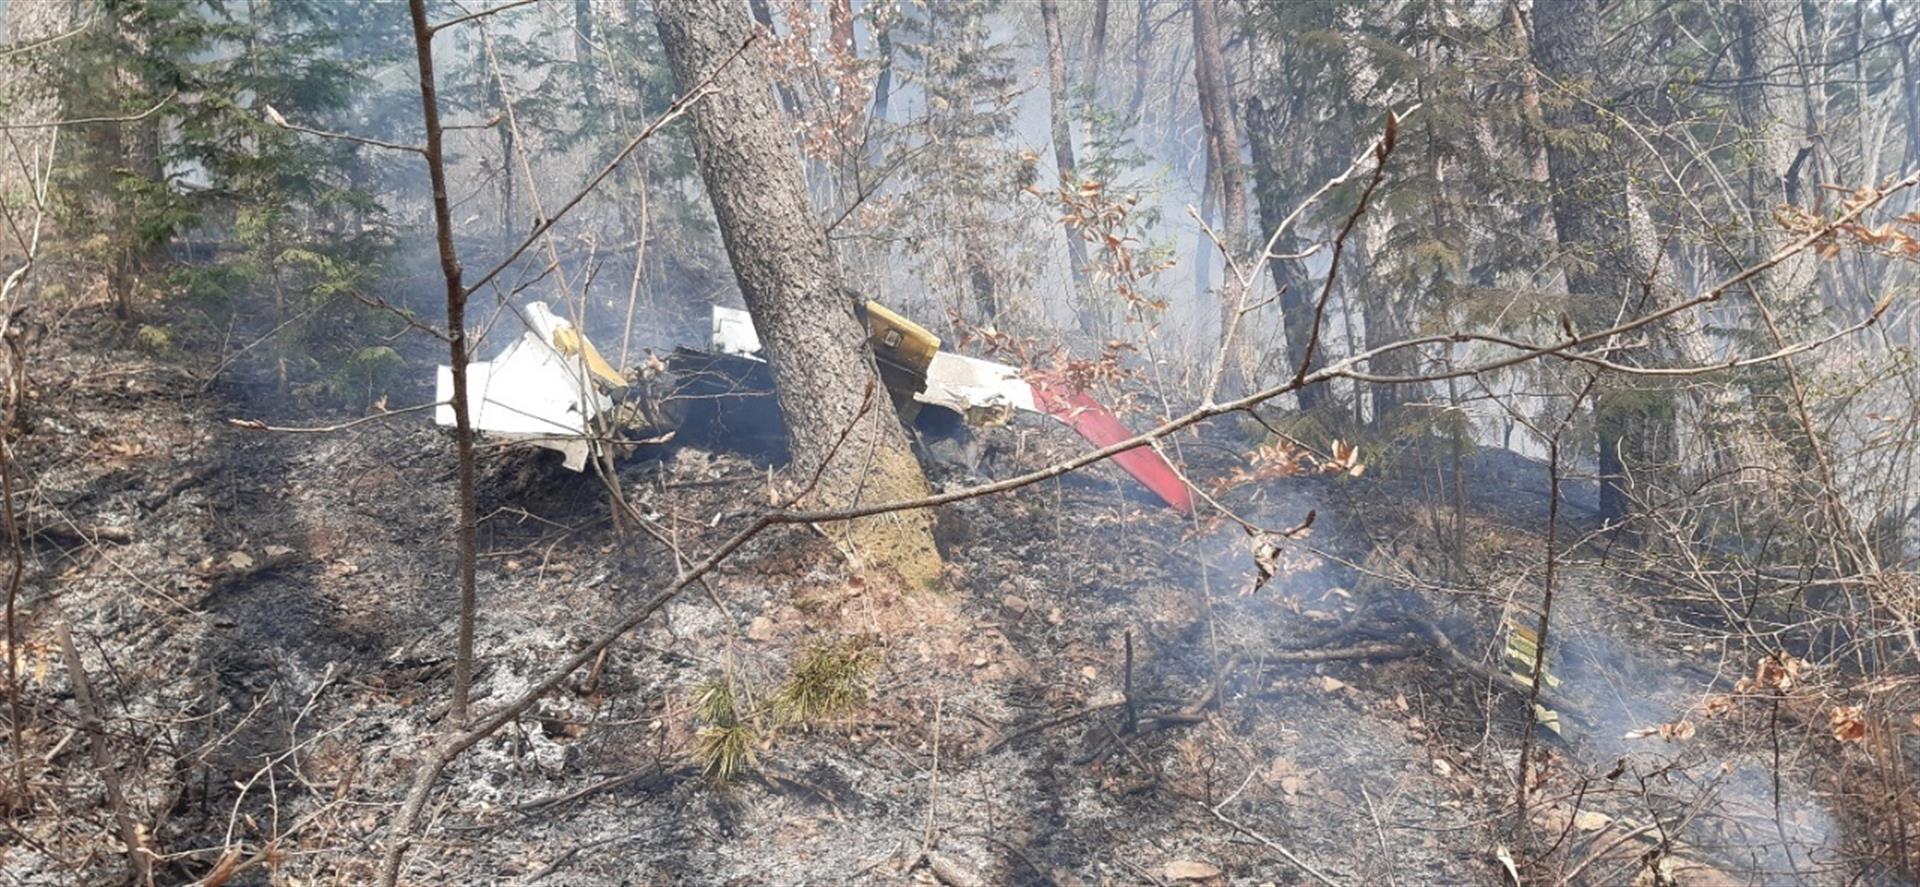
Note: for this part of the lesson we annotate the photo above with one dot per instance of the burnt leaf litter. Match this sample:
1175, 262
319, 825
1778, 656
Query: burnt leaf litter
1092, 699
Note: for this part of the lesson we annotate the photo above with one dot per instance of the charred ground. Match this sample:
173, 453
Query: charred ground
264, 617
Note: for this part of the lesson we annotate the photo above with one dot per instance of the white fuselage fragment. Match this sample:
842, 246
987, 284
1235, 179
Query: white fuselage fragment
530, 392
969, 386
966, 384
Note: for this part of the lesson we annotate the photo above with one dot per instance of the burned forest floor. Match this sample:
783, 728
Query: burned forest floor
265, 619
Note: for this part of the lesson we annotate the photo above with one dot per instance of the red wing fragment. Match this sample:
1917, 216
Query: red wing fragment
1103, 429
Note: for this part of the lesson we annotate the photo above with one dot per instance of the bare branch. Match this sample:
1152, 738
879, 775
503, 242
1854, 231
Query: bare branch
461, 20
83, 121
679, 107
274, 117
257, 425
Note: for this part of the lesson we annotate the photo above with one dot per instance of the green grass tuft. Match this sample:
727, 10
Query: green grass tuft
829, 679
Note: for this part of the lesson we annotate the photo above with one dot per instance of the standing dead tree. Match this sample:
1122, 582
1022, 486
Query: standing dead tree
1215, 84
1063, 155
468, 530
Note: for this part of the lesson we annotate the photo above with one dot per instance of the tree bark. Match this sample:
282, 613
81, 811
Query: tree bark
1591, 215
1215, 89
763, 15
1264, 137
1097, 56
882, 95
1142, 37
468, 530
1063, 157
583, 47
1909, 84
842, 430
883, 82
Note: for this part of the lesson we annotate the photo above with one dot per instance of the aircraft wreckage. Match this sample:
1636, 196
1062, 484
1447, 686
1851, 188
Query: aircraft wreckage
549, 386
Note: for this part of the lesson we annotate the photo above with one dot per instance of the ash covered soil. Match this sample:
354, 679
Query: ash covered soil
266, 619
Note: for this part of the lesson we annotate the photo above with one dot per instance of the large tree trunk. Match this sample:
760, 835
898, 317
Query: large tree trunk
840, 421
1766, 40
1591, 212
1097, 56
1909, 82
583, 48
1063, 158
1215, 86
1777, 125
763, 15
1264, 137
1142, 56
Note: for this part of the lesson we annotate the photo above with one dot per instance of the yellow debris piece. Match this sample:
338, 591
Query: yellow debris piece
569, 341
899, 339
1523, 644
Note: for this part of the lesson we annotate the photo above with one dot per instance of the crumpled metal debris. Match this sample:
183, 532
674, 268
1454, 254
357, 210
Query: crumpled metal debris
544, 388
980, 391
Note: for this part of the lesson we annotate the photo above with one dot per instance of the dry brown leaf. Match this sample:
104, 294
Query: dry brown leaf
1777, 673
1678, 731
222, 870
1848, 723
1190, 870
1591, 820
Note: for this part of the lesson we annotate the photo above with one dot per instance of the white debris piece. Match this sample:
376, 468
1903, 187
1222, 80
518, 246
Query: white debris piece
733, 332
531, 391
961, 383
955, 381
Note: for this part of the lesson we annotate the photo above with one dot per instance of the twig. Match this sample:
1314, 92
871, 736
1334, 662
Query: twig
257, 425
1382, 150
275, 117
933, 779
406, 317
1335, 654
1049, 724
511, 4
674, 111
83, 121
1273, 845
1380, 832
573, 851
23, 48
138, 857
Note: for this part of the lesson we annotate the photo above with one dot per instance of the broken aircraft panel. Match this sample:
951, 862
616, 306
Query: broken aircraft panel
917, 373
543, 388
546, 388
